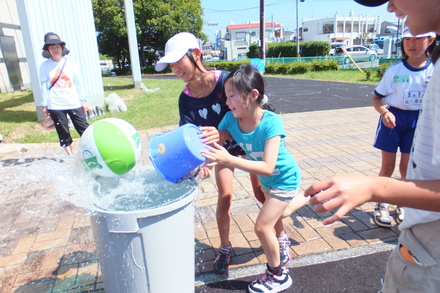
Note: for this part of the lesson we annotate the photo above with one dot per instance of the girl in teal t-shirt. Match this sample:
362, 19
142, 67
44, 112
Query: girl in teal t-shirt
261, 134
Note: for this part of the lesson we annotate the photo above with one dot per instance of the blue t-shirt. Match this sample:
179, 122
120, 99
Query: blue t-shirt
286, 174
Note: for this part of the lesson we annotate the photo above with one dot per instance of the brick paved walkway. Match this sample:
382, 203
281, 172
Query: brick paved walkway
47, 245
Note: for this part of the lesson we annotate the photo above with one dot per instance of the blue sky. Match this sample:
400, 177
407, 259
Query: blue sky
281, 11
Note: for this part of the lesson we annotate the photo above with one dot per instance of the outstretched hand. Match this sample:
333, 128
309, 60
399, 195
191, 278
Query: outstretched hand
216, 154
344, 191
209, 134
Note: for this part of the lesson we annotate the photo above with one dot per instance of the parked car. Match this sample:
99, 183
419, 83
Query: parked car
358, 53
375, 47
334, 46
106, 66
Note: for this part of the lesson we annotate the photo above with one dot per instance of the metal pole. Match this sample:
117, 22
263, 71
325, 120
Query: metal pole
262, 27
297, 31
133, 44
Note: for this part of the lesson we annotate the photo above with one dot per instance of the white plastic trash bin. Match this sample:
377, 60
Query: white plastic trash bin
151, 250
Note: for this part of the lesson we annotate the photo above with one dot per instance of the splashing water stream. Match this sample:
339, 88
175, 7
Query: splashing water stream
130, 216
141, 188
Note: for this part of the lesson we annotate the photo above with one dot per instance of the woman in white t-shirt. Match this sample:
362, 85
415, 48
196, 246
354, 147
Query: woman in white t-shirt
62, 91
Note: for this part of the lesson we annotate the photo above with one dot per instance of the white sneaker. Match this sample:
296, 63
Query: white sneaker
381, 216
400, 214
270, 283
284, 244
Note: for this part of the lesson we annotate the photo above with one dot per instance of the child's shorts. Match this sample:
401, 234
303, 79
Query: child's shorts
280, 194
401, 136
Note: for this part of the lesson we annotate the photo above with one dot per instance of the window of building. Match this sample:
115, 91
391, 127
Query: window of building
340, 27
355, 27
327, 28
240, 36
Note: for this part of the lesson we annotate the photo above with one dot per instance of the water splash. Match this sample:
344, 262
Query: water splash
141, 188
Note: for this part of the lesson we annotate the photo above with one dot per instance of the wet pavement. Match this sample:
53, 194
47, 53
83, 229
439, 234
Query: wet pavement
47, 244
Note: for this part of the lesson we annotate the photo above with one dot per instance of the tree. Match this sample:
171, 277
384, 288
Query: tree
112, 31
254, 51
156, 22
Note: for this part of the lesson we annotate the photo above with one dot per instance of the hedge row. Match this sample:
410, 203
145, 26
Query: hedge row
149, 69
288, 68
289, 49
302, 67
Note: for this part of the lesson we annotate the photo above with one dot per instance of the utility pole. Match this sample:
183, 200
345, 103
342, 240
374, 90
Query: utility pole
297, 29
262, 28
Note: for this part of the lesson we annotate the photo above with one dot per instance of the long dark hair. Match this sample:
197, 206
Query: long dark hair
428, 51
435, 54
191, 59
245, 79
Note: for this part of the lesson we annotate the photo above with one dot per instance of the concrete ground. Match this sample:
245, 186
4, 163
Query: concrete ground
47, 244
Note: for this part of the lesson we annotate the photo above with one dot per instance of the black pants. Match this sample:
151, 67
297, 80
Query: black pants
61, 122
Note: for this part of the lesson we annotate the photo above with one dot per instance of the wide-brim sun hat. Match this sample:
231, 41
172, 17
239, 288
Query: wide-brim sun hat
175, 48
52, 39
371, 3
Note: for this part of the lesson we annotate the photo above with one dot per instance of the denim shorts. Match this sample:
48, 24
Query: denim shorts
280, 194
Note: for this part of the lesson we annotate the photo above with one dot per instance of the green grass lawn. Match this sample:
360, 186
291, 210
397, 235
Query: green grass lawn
19, 124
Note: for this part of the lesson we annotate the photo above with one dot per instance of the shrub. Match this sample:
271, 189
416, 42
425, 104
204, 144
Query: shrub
227, 65
288, 49
282, 49
271, 68
280, 68
315, 48
381, 69
299, 68
254, 51
368, 73
324, 65
123, 71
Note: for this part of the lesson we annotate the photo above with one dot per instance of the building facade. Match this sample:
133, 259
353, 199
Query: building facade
14, 71
234, 41
351, 29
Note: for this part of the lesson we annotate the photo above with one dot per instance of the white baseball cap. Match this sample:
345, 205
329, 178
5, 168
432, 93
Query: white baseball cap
407, 34
176, 48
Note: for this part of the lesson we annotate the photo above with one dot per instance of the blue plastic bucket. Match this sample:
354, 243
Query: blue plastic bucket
176, 153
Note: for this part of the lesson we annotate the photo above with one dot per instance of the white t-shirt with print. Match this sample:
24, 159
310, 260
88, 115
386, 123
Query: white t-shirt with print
424, 161
65, 94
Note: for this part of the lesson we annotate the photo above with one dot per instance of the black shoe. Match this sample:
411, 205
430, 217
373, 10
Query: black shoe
221, 263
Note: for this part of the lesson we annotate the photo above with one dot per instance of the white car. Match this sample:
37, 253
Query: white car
375, 47
357, 53
106, 67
